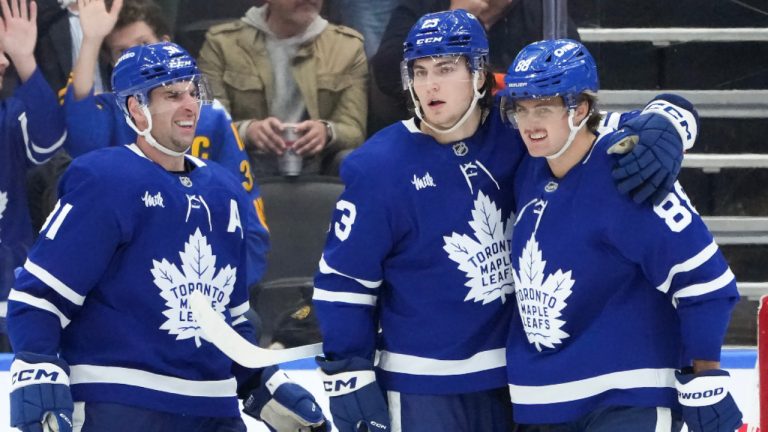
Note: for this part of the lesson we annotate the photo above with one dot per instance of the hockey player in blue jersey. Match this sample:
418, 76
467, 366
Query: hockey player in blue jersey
622, 308
31, 130
94, 121
100, 314
416, 270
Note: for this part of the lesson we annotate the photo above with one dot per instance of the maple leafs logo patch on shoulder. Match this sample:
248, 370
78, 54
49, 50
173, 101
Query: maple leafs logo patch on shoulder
486, 258
197, 273
539, 300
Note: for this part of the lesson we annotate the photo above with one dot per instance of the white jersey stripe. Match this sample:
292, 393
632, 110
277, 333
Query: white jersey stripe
395, 411
414, 365
38, 303
707, 287
589, 387
57, 221
92, 374
663, 419
239, 320
688, 265
30, 147
326, 269
239, 310
60, 287
343, 297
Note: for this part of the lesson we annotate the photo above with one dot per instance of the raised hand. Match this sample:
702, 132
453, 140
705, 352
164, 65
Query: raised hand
18, 32
95, 20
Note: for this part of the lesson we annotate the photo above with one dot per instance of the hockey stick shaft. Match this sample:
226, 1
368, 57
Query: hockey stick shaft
236, 347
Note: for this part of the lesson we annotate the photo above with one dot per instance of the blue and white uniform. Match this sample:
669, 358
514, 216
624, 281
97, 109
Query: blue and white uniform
419, 249
107, 284
612, 296
96, 121
31, 131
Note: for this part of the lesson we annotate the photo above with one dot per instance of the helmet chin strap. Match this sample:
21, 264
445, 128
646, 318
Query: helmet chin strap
146, 133
477, 95
571, 135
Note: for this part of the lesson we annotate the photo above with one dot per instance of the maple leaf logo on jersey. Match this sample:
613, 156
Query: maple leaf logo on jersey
541, 301
486, 259
198, 273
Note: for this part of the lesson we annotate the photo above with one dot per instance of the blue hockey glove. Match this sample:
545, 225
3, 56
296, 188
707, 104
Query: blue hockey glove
656, 139
357, 402
40, 396
707, 404
284, 405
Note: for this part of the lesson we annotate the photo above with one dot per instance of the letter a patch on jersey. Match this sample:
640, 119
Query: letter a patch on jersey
486, 258
197, 273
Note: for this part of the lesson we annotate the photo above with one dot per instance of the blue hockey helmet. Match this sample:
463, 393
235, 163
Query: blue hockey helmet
142, 68
454, 32
560, 67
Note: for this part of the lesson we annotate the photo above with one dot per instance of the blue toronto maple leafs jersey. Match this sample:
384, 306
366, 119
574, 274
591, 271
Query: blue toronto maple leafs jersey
107, 283
96, 121
419, 245
612, 296
32, 129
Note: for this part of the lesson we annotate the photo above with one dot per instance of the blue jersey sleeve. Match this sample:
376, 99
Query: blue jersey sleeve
350, 275
40, 119
679, 256
93, 123
71, 254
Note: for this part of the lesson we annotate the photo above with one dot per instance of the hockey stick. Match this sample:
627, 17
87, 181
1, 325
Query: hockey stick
238, 348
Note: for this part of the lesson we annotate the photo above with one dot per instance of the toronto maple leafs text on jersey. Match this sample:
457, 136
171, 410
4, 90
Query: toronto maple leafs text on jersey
32, 130
108, 283
419, 247
612, 296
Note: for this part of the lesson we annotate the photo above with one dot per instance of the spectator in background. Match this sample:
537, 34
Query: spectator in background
510, 24
369, 17
95, 121
283, 64
59, 43
31, 129
57, 49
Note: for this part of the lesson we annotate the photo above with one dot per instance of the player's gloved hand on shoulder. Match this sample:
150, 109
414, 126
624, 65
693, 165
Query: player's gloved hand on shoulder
707, 404
653, 143
283, 405
357, 402
40, 396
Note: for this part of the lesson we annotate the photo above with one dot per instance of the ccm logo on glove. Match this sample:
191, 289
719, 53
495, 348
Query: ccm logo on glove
23, 374
347, 382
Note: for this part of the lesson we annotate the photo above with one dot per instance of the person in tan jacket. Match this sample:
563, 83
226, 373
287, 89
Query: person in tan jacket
283, 64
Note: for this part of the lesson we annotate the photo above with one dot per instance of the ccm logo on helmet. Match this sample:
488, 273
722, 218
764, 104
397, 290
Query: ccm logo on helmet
429, 40
701, 395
